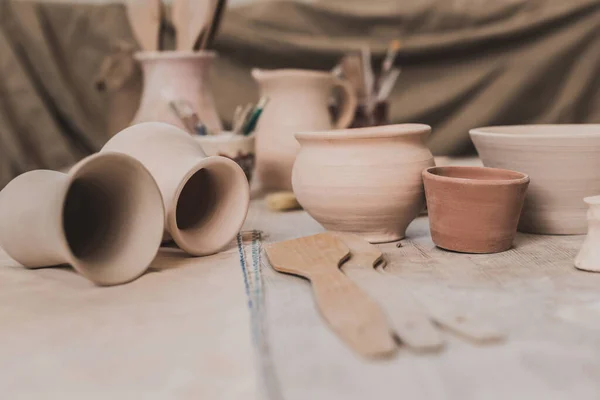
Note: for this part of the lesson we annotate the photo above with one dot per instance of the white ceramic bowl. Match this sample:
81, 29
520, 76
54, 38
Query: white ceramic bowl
563, 162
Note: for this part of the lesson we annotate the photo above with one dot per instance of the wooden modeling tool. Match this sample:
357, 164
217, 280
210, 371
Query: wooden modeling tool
191, 18
145, 18
408, 318
212, 27
350, 313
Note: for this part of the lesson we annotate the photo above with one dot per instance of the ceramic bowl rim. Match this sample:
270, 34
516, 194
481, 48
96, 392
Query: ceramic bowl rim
428, 174
383, 131
174, 55
489, 131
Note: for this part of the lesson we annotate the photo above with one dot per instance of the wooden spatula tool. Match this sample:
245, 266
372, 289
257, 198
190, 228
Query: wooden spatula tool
408, 318
350, 313
145, 19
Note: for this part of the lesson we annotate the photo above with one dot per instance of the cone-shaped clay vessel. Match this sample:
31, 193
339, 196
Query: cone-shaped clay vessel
105, 218
206, 198
588, 258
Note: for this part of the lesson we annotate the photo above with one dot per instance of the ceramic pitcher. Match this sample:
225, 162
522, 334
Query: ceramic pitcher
588, 258
176, 76
298, 102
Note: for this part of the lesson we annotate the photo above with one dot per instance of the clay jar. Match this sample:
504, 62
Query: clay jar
563, 162
588, 258
474, 209
175, 76
206, 198
365, 181
298, 102
105, 218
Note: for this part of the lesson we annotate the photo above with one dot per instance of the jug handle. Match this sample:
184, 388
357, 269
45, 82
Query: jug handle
346, 115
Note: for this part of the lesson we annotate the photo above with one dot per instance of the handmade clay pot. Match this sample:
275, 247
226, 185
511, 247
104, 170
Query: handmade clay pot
365, 181
176, 76
588, 258
105, 218
206, 198
240, 148
474, 209
298, 102
563, 162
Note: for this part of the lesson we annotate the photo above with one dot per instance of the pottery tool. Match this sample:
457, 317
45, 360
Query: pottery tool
188, 117
249, 127
212, 27
191, 17
408, 318
282, 201
350, 313
368, 76
353, 72
386, 85
242, 118
390, 57
145, 18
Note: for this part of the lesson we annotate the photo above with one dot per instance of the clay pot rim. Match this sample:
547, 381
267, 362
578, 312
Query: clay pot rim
519, 178
174, 55
384, 131
265, 74
547, 131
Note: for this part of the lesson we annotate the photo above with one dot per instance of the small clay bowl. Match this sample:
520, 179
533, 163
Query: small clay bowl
474, 209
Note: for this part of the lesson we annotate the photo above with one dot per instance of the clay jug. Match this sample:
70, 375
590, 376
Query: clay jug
206, 198
298, 102
105, 218
588, 258
176, 76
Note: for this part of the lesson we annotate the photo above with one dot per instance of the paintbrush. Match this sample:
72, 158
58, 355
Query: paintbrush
213, 26
253, 120
188, 117
390, 56
386, 84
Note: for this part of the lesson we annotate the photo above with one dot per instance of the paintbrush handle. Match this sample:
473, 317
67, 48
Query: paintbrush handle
352, 314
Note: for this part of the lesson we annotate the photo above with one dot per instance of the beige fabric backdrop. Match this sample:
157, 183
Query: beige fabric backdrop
465, 64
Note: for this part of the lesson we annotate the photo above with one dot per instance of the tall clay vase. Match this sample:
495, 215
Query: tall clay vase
206, 198
105, 218
588, 258
299, 102
176, 76
365, 181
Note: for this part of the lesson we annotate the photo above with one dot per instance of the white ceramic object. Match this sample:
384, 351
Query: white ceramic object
239, 148
563, 162
176, 76
365, 181
206, 198
105, 218
299, 101
588, 258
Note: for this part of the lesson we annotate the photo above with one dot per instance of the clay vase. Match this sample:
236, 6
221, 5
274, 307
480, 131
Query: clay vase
298, 102
563, 162
206, 198
176, 76
588, 258
365, 181
474, 209
105, 218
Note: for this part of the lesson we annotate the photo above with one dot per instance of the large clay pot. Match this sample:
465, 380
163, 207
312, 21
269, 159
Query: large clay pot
105, 218
563, 162
206, 198
365, 181
588, 258
298, 102
174, 76
474, 209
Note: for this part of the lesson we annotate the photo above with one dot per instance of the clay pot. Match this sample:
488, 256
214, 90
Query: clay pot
474, 209
588, 258
105, 218
206, 198
175, 76
298, 102
563, 162
365, 181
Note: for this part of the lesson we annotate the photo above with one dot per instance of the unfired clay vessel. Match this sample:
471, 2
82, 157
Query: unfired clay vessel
206, 198
298, 102
365, 181
175, 76
105, 218
588, 258
563, 162
474, 209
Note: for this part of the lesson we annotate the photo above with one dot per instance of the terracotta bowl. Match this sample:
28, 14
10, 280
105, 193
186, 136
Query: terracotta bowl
474, 209
563, 162
365, 181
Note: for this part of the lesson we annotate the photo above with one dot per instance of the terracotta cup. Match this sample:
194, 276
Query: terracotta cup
105, 218
474, 209
206, 198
